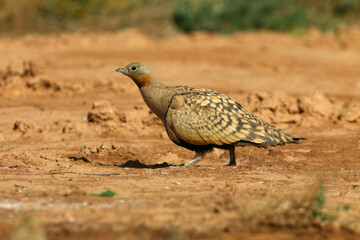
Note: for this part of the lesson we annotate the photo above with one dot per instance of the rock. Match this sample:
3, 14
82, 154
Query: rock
23, 126
103, 111
316, 105
277, 108
87, 150
352, 113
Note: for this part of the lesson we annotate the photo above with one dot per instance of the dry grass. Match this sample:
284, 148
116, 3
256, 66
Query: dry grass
44, 16
289, 212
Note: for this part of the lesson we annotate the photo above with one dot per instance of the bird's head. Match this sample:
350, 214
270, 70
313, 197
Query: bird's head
138, 72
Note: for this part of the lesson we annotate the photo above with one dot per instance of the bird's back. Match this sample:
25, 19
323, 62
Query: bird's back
200, 117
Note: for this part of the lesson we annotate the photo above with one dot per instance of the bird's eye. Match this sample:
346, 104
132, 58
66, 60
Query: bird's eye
133, 68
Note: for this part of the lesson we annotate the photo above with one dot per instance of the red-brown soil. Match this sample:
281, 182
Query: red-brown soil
71, 126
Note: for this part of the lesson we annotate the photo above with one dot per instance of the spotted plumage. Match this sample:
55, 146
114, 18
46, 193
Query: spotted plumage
201, 119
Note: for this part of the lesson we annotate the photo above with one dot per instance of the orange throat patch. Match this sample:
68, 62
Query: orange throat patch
144, 80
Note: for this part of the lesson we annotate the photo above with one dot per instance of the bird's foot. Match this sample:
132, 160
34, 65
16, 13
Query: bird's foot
178, 166
196, 159
231, 164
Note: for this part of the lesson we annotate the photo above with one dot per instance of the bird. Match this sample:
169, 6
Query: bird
201, 119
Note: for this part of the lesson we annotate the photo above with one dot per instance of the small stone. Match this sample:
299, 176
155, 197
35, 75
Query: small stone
23, 126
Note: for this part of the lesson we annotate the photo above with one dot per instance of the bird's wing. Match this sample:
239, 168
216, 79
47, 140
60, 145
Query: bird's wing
205, 117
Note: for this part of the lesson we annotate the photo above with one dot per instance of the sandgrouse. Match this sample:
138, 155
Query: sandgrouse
201, 119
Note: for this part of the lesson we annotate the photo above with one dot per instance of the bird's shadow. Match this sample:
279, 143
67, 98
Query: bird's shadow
137, 164
128, 164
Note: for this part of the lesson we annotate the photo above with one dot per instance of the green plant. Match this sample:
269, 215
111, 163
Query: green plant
107, 193
318, 209
232, 15
227, 16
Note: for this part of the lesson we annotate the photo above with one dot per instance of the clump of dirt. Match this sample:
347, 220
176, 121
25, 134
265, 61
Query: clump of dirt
24, 126
351, 114
59, 130
276, 108
103, 111
109, 154
29, 77
316, 105
312, 110
9, 76
60, 126
22, 159
123, 155
41, 83
27, 127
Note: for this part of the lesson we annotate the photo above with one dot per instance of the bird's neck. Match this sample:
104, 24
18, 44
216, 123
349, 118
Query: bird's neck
144, 80
157, 96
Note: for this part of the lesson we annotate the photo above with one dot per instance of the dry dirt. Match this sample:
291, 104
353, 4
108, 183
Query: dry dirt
72, 127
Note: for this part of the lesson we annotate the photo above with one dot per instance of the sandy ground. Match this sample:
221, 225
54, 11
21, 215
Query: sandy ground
72, 127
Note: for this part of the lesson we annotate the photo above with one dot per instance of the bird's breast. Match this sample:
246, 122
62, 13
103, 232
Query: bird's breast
157, 98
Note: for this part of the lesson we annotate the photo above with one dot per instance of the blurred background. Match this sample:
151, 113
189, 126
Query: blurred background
166, 17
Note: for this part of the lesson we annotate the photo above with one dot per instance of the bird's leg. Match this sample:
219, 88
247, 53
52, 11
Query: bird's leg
198, 157
232, 156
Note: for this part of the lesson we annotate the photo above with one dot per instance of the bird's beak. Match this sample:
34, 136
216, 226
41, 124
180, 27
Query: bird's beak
122, 70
